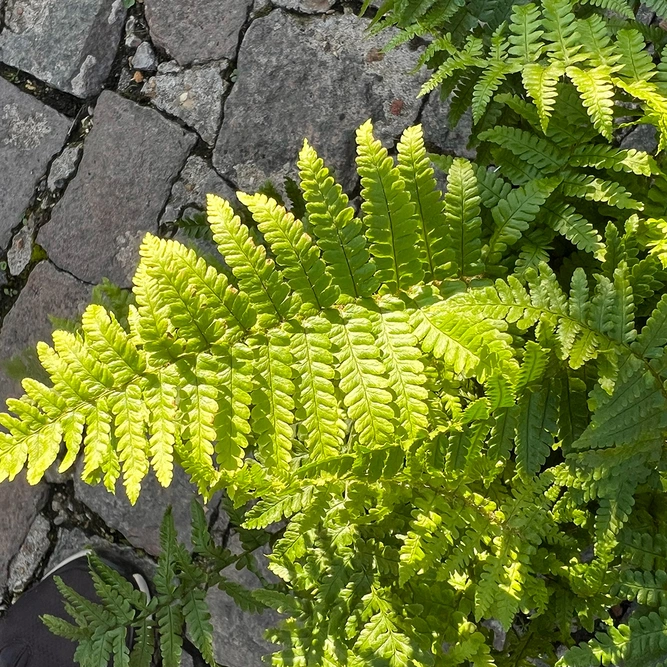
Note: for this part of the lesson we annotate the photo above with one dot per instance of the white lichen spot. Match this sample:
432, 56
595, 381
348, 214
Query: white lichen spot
24, 131
81, 81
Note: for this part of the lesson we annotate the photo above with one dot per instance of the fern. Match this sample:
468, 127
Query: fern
445, 401
532, 47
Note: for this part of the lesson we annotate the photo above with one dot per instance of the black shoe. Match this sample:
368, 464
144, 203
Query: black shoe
24, 639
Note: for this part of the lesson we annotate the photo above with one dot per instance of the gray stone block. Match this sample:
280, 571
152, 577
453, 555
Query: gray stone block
438, 134
195, 182
238, 636
199, 30
32, 551
315, 77
141, 524
48, 292
19, 505
30, 135
193, 95
69, 44
306, 6
130, 159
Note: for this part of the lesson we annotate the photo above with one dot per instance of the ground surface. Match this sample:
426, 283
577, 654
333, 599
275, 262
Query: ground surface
116, 122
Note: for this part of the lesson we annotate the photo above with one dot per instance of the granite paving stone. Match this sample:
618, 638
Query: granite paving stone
69, 44
193, 95
306, 6
20, 252
33, 550
30, 135
19, 505
199, 30
63, 167
318, 77
238, 636
48, 292
130, 158
438, 134
140, 523
189, 192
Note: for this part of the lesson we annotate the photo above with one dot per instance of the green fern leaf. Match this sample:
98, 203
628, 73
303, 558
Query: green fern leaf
418, 175
235, 385
198, 621
389, 214
525, 40
564, 219
170, 624
560, 32
318, 408
636, 62
536, 151
273, 411
294, 251
597, 94
256, 273
514, 215
462, 217
540, 82
536, 429
363, 377
401, 358
338, 232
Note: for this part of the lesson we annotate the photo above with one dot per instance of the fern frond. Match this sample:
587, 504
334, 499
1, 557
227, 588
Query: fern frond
561, 32
306, 273
415, 169
525, 40
322, 419
338, 232
514, 215
597, 94
389, 214
363, 378
256, 273
401, 358
462, 217
540, 82
273, 411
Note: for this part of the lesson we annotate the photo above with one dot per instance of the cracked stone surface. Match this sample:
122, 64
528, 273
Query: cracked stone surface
141, 524
129, 161
196, 181
19, 505
437, 132
199, 30
193, 95
318, 77
642, 138
69, 44
30, 135
48, 293
73, 540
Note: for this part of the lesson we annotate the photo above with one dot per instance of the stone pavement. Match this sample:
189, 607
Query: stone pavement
115, 122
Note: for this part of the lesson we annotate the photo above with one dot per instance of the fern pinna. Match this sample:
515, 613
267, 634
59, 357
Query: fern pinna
481, 49
449, 425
